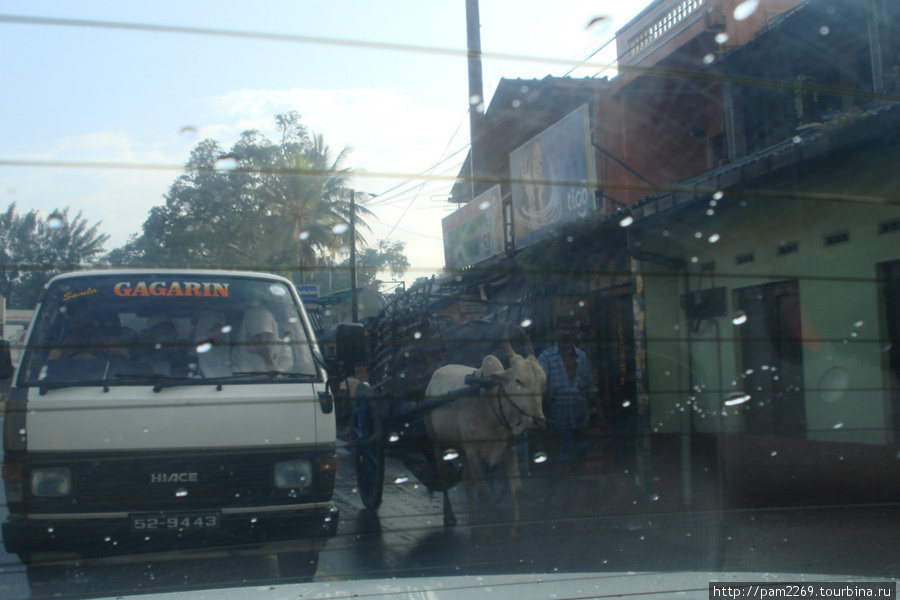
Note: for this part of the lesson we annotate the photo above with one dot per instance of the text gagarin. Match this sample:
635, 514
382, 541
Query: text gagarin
161, 288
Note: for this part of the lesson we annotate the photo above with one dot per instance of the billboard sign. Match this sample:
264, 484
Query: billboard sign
474, 232
552, 178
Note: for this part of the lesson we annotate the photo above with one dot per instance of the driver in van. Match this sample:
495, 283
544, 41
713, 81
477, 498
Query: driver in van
259, 347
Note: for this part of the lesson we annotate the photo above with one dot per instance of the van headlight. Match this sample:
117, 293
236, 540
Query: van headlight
51, 481
293, 474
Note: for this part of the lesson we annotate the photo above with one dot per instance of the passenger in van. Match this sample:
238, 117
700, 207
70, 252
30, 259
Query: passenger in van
94, 337
157, 342
213, 353
259, 347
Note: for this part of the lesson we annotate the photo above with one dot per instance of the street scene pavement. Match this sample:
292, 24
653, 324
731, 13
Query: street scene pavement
595, 521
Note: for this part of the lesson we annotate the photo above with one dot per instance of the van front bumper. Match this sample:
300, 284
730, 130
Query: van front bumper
101, 535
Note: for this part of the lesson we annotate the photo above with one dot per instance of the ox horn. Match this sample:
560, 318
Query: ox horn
508, 347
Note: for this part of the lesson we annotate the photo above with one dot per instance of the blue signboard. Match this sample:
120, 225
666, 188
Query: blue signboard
309, 294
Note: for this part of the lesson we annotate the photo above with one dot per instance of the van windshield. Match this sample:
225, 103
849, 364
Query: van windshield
127, 329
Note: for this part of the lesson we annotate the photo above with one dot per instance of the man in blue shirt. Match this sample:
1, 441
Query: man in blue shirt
570, 388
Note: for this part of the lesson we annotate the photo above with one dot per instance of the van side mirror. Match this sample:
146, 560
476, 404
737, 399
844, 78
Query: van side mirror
6, 366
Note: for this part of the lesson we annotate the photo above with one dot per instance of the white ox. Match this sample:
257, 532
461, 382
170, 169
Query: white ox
483, 427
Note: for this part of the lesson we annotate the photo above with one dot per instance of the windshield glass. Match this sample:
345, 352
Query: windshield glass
494, 290
132, 327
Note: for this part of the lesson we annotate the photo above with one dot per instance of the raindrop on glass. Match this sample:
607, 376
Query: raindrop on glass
340, 228
401, 479
838, 425
394, 438
540, 457
304, 235
745, 9
451, 454
55, 220
721, 38
484, 205
188, 133
525, 323
626, 404
474, 99
627, 221
797, 139
709, 59
516, 103
181, 492
714, 238
740, 317
735, 399
824, 30
417, 335
204, 347
229, 162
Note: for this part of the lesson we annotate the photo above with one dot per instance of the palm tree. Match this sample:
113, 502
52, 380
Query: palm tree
306, 203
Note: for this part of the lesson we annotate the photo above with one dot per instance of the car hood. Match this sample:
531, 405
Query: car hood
514, 587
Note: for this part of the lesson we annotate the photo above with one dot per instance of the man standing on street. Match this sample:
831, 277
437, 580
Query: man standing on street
570, 388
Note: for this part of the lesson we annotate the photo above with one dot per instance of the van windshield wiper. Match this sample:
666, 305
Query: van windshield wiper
45, 386
159, 381
258, 374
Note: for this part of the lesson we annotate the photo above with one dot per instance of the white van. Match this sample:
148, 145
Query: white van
170, 411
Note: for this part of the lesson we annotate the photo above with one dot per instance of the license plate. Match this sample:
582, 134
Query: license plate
174, 522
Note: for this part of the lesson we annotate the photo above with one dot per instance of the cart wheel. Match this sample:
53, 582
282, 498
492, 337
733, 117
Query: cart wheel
368, 451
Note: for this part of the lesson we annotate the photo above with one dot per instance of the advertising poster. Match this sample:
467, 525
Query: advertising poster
474, 232
552, 178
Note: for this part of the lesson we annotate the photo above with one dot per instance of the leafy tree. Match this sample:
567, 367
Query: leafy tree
385, 256
260, 205
33, 249
305, 203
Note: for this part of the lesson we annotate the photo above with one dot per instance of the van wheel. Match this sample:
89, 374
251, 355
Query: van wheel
298, 566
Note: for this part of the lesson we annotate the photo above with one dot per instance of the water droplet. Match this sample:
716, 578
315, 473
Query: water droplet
204, 347
394, 438
158, 346
146, 430
824, 30
858, 324
226, 329
188, 133
451, 454
745, 9
304, 235
721, 38
569, 239
401, 479
698, 235
253, 520
181, 493
228, 162
526, 323
709, 59
710, 212
484, 205
340, 228
50, 530
626, 404
474, 99
22, 432
627, 221
838, 425
735, 399
714, 238
797, 139
417, 335
654, 497
107, 539
540, 457
774, 453
55, 220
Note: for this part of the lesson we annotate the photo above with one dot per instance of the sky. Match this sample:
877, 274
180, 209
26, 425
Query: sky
99, 115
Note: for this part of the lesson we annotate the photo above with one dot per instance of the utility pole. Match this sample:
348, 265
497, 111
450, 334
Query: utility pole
477, 102
354, 301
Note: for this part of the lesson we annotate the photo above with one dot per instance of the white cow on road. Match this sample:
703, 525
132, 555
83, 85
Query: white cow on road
483, 426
